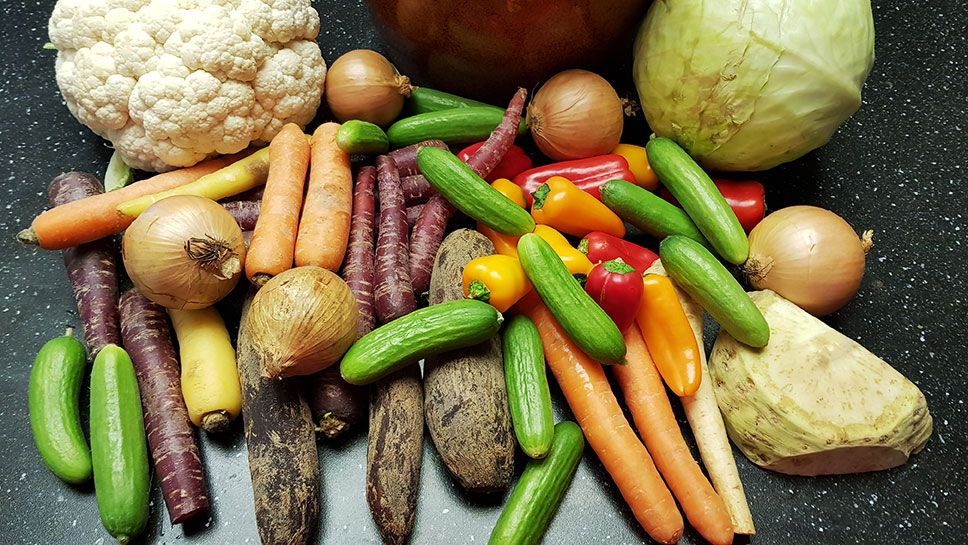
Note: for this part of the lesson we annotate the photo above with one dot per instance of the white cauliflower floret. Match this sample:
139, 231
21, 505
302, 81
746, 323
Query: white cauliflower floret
171, 82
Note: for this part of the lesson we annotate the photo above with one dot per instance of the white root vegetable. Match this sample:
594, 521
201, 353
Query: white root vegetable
813, 401
707, 426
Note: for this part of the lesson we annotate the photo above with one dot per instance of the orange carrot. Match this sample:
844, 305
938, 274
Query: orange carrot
274, 241
324, 228
650, 407
590, 397
96, 217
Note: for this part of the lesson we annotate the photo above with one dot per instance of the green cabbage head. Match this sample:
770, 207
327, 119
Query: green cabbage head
749, 84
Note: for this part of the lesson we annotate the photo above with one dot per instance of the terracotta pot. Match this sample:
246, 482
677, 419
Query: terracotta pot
484, 49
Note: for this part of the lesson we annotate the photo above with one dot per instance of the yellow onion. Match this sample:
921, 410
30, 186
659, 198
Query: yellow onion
576, 114
362, 84
302, 321
184, 252
808, 255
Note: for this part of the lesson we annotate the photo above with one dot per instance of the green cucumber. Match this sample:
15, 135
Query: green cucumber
648, 211
423, 100
55, 416
362, 137
470, 194
527, 383
579, 315
539, 491
459, 126
118, 446
702, 276
422, 333
698, 196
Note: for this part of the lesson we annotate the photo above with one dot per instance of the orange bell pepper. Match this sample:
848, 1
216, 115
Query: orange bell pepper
504, 244
576, 262
562, 205
495, 279
669, 336
639, 165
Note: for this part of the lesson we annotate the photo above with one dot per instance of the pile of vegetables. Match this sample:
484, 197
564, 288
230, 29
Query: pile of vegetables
353, 279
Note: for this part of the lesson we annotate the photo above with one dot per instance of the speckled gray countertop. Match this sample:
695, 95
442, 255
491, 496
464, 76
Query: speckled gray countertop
897, 167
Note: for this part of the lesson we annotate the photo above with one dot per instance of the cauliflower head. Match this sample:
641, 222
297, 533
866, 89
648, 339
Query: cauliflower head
172, 82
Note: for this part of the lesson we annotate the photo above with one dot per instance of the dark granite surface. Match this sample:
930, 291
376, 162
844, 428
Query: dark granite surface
898, 167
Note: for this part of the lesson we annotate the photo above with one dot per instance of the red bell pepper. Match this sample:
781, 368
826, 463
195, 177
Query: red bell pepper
515, 162
588, 174
600, 247
745, 198
617, 288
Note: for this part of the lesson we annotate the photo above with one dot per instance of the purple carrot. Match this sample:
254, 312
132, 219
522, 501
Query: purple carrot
429, 230
393, 294
245, 213
337, 405
416, 189
254, 194
405, 159
171, 440
91, 268
413, 212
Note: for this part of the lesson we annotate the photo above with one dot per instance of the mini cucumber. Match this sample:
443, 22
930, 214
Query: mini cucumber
527, 383
697, 194
539, 491
423, 100
118, 445
362, 137
704, 278
470, 194
458, 126
422, 333
53, 397
579, 315
649, 212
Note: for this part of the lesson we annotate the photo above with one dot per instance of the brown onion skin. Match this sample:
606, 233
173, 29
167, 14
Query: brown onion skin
576, 114
809, 256
153, 250
362, 84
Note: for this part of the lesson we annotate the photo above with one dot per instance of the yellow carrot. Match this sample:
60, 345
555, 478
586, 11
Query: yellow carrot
237, 177
210, 378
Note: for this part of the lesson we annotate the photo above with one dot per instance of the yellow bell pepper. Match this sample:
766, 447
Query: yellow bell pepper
576, 262
495, 279
638, 164
562, 205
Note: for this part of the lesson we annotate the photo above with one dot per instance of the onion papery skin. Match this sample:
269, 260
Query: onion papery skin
362, 84
157, 260
302, 321
808, 255
576, 114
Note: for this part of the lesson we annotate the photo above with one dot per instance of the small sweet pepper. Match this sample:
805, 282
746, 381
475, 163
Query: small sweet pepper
495, 279
576, 262
669, 336
562, 205
599, 247
617, 288
588, 174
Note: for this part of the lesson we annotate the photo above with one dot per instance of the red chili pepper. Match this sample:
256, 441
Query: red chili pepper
599, 247
617, 288
745, 198
515, 162
588, 174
